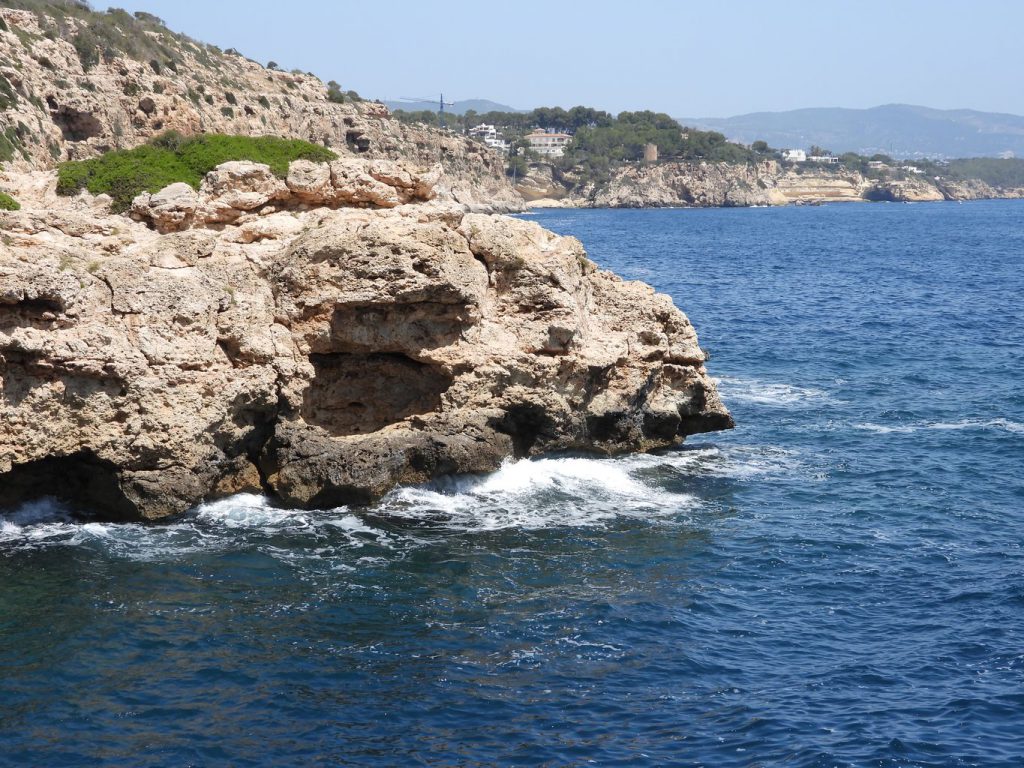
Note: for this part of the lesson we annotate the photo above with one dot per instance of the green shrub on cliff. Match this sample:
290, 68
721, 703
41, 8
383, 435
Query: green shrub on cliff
172, 157
8, 203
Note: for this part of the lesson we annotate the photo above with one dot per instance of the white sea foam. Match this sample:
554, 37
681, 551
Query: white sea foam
766, 393
36, 522
250, 511
222, 525
1003, 425
538, 493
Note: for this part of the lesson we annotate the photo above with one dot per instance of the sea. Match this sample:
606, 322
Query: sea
838, 581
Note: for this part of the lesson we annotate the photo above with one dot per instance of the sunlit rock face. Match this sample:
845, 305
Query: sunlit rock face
319, 338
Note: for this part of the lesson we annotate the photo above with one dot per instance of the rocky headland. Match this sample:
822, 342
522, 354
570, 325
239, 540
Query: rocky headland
318, 336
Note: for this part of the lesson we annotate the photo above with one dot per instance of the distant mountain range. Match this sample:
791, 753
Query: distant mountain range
458, 108
899, 130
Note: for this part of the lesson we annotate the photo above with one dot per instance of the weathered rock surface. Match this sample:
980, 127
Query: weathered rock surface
540, 184
237, 191
910, 190
256, 336
975, 189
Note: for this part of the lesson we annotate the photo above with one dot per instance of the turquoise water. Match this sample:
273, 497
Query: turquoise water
837, 582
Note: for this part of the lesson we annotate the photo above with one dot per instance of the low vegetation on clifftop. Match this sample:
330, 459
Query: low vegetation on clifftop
171, 158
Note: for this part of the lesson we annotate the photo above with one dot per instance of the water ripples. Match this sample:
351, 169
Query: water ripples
837, 582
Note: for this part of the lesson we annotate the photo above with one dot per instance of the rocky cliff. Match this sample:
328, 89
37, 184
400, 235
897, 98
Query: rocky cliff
81, 83
707, 184
269, 335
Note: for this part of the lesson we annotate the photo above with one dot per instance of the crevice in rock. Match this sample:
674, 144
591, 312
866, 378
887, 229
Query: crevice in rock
879, 194
611, 427
526, 424
357, 142
263, 427
33, 308
231, 350
355, 394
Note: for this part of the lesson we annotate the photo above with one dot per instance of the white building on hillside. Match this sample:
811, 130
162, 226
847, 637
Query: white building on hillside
548, 144
484, 131
824, 159
497, 143
489, 135
794, 155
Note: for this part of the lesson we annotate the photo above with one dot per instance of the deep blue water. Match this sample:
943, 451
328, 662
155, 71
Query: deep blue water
837, 582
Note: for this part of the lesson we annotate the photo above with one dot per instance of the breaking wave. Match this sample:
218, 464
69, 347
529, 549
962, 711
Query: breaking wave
528, 494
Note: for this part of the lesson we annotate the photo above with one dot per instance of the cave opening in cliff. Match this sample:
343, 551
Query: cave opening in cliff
527, 424
74, 124
81, 479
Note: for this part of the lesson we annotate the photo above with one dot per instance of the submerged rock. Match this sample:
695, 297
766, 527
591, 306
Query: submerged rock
320, 354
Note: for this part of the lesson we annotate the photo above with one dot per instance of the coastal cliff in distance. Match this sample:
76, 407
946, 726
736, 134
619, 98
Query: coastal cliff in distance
717, 184
319, 332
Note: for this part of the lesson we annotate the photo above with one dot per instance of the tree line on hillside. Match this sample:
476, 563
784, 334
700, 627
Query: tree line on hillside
600, 141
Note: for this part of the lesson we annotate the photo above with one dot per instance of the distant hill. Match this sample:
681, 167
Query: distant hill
459, 108
900, 130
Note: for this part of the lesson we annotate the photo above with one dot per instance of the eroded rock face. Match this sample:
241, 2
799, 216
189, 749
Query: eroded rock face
235, 192
318, 354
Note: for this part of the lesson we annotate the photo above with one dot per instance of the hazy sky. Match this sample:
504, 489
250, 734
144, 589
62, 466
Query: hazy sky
690, 59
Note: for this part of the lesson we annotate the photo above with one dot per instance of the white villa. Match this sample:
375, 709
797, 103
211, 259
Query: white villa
484, 131
794, 155
497, 143
490, 136
548, 144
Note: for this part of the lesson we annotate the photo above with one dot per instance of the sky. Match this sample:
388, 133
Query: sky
713, 58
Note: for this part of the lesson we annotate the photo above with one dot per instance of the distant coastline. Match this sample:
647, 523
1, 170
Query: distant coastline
726, 185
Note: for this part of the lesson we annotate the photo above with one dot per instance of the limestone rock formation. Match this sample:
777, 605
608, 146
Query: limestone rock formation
319, 338
910, 190
540, 184
975, 189
235, 189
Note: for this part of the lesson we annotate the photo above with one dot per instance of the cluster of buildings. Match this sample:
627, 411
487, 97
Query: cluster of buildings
544, 143
799, 156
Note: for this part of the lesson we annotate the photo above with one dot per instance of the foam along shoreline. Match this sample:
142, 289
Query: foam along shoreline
524, 495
